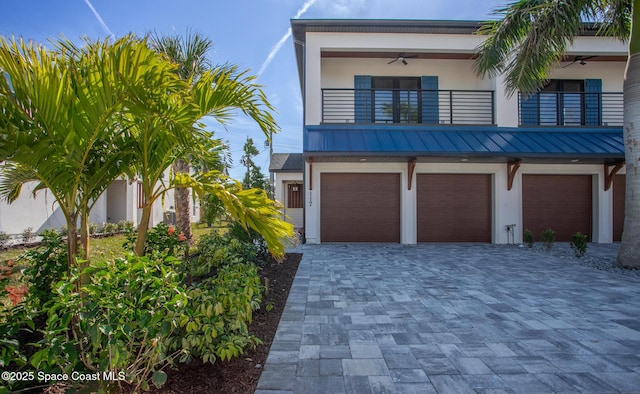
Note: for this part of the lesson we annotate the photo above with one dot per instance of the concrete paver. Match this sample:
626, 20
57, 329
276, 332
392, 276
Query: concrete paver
454, 318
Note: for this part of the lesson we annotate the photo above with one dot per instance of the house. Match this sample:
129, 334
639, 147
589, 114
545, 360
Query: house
404, 143
287, 171
123, 200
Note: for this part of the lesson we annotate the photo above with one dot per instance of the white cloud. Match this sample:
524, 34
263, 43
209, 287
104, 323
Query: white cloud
276, 48
100, 20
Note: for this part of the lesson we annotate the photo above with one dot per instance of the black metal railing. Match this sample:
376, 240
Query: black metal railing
390, 106
571, 109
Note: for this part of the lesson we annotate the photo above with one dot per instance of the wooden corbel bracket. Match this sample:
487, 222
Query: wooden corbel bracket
610, 171
512, 169
411, 166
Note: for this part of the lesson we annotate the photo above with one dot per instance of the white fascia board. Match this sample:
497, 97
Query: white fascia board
394, 42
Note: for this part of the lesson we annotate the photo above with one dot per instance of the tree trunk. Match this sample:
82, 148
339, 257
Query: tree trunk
183, 201
72, 242
629, 254
143, 227
84, 241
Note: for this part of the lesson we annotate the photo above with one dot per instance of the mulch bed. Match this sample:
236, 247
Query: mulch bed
241, 374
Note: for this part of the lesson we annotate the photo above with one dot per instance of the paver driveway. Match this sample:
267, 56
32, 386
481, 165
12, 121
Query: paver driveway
453, 319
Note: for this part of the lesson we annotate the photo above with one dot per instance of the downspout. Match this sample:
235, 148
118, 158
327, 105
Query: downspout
304, 120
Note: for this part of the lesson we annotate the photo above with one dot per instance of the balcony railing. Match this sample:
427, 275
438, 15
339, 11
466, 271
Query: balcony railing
389, 106
571, 109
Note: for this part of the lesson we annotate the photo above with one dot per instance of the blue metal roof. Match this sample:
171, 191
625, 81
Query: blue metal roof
487, 141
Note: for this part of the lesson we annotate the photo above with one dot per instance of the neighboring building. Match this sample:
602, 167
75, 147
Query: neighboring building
288, 185
122, 201
403, 142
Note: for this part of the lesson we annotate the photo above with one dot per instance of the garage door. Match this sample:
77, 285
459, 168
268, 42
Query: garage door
560, 202
357, 207
454, 207
619, 185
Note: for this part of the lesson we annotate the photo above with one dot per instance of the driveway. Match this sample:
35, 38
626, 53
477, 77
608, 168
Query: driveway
454, 318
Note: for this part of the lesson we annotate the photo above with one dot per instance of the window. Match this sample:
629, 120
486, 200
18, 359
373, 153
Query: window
564, 102
141, 196
396, 99
561, 103
294, 195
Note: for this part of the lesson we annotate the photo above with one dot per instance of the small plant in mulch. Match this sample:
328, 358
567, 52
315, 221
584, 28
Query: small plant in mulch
4, 239
528, 238
548, 238
579, 244
28, 235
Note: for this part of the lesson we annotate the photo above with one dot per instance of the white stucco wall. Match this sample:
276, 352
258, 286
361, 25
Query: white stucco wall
281, 181
119, 202
452, 74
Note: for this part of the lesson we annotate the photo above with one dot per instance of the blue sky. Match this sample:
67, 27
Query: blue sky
245, 33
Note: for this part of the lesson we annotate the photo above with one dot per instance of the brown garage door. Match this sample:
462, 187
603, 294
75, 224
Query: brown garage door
559, 202
359, 207
619, 185
454, 207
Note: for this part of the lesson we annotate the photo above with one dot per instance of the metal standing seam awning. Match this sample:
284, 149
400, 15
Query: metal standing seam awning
605, 144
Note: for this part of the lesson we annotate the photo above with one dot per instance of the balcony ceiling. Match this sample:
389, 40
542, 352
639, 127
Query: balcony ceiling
454, 56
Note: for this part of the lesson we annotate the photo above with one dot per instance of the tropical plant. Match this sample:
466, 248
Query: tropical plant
27, 235
215, 323
212, 209
548, 237
65, 115
250, 208
579, 244
530, 39
159, 143
46, 265
528, 238
4, 239
161, 241
124, 320
189, 53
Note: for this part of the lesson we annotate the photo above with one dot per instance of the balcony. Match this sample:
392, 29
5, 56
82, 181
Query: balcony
570, 109
396, 106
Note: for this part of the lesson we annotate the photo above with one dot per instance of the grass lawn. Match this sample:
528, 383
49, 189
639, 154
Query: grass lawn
110, 247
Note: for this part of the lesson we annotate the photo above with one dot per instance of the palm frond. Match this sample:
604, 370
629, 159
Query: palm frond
532, 36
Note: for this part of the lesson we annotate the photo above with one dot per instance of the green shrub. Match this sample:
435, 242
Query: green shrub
579, 244
136, 317
216, 250
4, 239
17, 326
93, 228
109, 228
528, 238
121, 323
250, 236
215, 325
212, 209
46, 265
548, 238
125, 226
162, 240
27, 235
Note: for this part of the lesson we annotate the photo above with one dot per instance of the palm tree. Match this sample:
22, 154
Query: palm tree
62, 120
531, 38
189, 53
160, 140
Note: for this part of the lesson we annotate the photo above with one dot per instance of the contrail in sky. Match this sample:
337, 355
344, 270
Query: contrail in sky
100, 20
276, 48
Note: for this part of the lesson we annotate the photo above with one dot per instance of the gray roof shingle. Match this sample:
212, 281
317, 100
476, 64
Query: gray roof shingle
286, 162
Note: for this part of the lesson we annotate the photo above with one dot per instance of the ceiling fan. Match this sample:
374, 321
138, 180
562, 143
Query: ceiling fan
582, 60
402, 57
